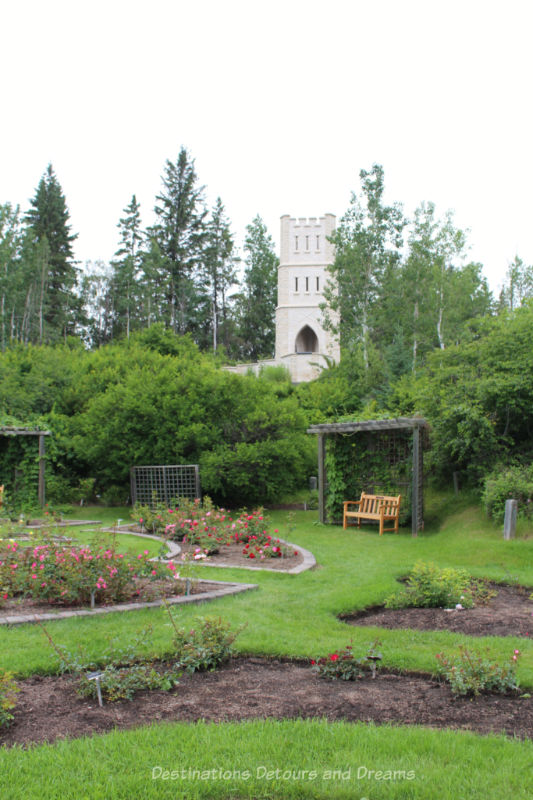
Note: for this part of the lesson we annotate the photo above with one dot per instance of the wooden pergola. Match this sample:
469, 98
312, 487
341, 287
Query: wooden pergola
414, 424
11, 430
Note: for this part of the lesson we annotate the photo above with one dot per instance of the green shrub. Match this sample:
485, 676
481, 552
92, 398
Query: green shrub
344, 665
8, 689
204, 647
431, 587
471, 673
123, 668
57, 573
121, 683
515, 482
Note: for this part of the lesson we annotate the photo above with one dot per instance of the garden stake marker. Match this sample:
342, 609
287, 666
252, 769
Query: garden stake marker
95, 676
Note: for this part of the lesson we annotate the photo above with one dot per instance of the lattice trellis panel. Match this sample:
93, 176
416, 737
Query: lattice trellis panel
164, 484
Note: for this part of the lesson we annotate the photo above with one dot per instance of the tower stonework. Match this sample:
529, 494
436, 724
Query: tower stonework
305, 253
302, 344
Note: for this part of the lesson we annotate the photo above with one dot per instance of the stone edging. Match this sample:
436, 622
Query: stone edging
174, 550
224, 590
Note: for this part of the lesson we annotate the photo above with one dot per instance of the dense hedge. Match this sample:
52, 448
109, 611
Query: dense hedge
157, 400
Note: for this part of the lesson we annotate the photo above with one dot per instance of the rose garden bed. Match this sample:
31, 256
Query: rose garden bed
508, 613
47, 708
253, 688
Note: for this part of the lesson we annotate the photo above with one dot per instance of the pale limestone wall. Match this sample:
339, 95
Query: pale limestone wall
254, 367
304, 255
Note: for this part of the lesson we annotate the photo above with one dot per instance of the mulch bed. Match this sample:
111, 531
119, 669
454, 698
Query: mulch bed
509, 613
252, 688
230, 555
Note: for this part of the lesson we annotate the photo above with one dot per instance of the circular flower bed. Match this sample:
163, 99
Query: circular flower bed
70, 574
211, 529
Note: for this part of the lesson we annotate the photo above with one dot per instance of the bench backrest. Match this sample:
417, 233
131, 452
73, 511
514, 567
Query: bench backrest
372, 503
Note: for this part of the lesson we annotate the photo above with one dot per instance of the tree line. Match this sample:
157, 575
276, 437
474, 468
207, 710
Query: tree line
402, 288
181, 271
398, 289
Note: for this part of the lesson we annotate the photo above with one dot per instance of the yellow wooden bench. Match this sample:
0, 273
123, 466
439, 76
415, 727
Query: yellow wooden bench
376, 508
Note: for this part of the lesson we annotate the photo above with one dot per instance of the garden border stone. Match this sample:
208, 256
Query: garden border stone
174, 549
224, 590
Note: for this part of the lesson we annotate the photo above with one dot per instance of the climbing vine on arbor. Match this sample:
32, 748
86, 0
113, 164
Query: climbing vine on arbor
19, 471
379, 463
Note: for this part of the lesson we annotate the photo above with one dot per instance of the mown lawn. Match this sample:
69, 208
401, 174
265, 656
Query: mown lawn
296, 616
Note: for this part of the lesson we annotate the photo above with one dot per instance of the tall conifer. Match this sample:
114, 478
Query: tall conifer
48, 222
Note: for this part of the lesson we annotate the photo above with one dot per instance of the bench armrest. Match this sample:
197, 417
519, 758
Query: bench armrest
352, 503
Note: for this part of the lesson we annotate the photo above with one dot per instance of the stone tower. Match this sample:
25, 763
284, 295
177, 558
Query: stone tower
301, 341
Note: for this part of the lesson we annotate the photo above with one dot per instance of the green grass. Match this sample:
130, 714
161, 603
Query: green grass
296, 615
270, 759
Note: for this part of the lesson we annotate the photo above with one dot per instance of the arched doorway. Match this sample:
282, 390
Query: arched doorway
306, 341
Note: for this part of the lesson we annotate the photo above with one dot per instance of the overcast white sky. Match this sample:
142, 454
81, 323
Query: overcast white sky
279, 103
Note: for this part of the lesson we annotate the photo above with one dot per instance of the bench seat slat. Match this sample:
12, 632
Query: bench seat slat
376, 508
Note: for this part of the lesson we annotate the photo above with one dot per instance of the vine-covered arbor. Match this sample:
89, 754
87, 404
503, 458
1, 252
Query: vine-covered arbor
382, 456
9, 464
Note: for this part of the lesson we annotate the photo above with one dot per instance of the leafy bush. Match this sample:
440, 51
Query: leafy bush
155, 519
431, 587
515, 483
471, 673
210, 528
204, 647
58, 573
121, 683
123, 669
126, 669
8, 689
344, 665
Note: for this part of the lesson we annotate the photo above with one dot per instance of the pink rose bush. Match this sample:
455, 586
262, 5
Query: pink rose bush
212, 529
71, 574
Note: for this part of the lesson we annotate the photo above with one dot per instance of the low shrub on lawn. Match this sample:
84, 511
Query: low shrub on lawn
428, 586
472, 673
345, 665
124, 669
8, 689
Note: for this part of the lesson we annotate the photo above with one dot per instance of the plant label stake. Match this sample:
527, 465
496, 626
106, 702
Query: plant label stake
95, 676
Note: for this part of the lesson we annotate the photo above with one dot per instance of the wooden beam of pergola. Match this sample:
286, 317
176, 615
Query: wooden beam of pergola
415, 424
12, 430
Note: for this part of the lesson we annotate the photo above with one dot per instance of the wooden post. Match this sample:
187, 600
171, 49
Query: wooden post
456, 482
197, 487
415, 492
133, 488
42, 498
321, 478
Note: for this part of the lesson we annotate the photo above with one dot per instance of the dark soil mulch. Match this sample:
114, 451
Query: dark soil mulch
509, 613
230, 555
252, 688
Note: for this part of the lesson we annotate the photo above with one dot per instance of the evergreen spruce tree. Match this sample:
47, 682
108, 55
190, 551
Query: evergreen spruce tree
48, 222
11, 272
256, 304
125, 289
180, 233
219, 272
